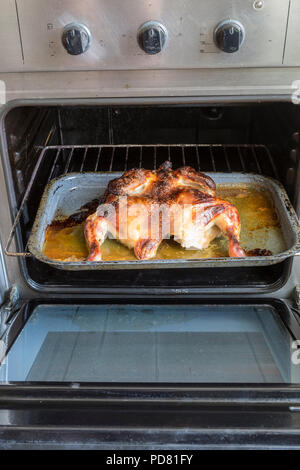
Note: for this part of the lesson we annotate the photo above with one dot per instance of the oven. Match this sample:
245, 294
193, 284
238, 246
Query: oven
177, 357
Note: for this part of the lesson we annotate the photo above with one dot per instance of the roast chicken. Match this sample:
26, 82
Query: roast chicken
143, 207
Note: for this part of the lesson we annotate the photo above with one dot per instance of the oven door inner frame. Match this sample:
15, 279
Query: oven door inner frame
130, 390
152, 416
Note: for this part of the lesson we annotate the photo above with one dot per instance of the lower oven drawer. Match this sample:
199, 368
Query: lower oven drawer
194, 342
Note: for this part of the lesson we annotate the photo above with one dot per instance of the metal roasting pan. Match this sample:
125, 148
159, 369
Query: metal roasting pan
65, 195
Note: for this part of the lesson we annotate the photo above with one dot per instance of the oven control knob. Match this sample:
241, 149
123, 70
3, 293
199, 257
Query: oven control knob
229, 36
76, 38
152, 37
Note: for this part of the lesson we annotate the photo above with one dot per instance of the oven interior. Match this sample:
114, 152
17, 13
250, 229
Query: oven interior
260, 137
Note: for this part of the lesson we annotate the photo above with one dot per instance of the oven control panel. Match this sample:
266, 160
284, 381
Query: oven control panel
157, 34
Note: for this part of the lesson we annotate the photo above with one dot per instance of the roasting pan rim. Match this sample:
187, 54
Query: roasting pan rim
281, 201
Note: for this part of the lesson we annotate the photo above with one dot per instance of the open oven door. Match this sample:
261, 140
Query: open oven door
151, 374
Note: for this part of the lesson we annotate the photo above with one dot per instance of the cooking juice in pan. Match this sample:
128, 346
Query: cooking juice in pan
260, 229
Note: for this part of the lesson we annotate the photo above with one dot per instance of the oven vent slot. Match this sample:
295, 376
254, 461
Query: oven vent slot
60, 160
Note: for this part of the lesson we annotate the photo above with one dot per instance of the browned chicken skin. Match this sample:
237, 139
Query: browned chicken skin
143, 207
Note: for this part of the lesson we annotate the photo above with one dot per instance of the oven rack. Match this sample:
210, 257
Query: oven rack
250, 158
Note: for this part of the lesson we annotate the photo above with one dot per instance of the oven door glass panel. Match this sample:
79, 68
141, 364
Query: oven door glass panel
152, 344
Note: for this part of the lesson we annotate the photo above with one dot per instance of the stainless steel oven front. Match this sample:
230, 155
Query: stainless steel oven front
161, 357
